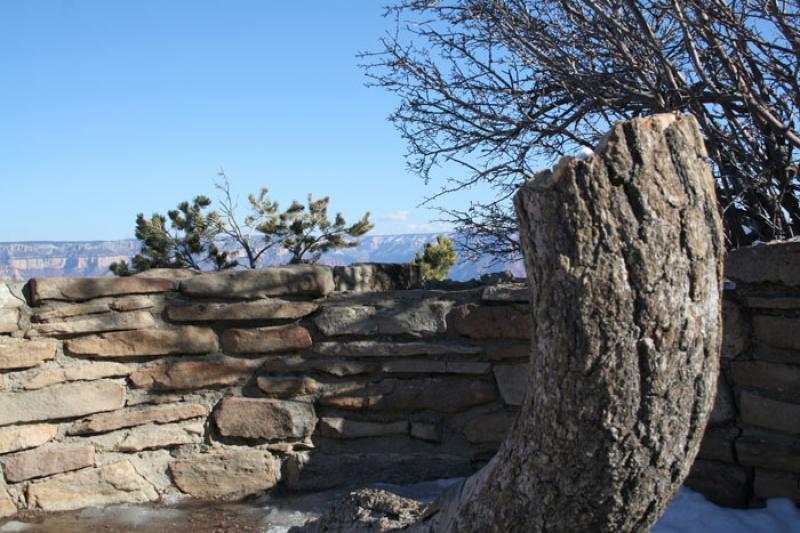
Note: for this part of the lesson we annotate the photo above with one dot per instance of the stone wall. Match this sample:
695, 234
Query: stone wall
228, 384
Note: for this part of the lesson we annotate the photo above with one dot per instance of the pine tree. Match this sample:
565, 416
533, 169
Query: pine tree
437, 259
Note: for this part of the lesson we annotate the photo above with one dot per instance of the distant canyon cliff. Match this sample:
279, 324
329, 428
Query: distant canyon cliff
20, 261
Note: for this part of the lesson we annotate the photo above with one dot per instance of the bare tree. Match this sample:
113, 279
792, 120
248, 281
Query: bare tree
502, 87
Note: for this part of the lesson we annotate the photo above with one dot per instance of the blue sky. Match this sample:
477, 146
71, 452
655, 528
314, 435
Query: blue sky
108, 109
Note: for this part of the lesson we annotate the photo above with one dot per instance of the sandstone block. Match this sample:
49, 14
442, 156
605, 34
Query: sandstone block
340, 320
107, 485
61, 311
720, 483
343, 428
506, 292
782, 381
495, 322
258, 418
512, 380
78, 289
106, 322
394, 349
61, 401
7, 506
265, 340
137, 416
724, 409
735, 329
191, 375
717, 445
7, 297
21, 353
138, 343
414, 366
288, 386
272, 309
767, 413
766, 263
419, 319
306, 280
154, 436
769, 450
82, 372
771, 484
23, 437
376, 277
168, 273
132, 303
9, 319
226, 475
47, 461
780, 332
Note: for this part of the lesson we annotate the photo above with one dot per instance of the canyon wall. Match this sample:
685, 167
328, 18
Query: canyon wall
224, 385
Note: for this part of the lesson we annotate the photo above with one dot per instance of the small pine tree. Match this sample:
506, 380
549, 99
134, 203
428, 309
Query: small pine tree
187, 242
310, 232
437, 259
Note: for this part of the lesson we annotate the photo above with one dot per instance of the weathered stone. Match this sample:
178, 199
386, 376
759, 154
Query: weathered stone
394, 349
21, 353
426, 431
353, 320
336, 367
789, 303
9, 319
265, 340
106, 322
495, 322
767, 413
508, 350
720, 483
83, 372
168, 273
735, 329
77, 289
7, 507
258, 418
107, 485
23, 437
137, 343
137, 416
61, 401
769, 450
512, 380
372, 277
435, 394
781, 381
419, 319
506, 292
7, 297
288, 386
190, 375
468, 367
717, 445
489, 428
780, 332
132, 303
766, 263
47, 461
724, 409
154, 436
765, 352
62, 311
226, 475
272, 309
366, 510
344, 428
307, 280
771, 484
414, 366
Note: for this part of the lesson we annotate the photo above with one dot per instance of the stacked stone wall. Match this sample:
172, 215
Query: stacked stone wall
224, 385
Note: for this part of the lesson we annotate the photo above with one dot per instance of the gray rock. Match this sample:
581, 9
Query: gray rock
770, 414
376, 277
419, 319
720, 483
395, 349
344, 428
512, 380
724, 409
765, 263
781, 381
506, 292
780, 332
353, 320
306, 280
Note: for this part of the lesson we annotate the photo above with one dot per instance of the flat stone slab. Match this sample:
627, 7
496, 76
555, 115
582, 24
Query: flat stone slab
83, 372
506, 292
181, 341
21, 353
137, 416
272, 309
495, 322
261, 418
768, 413
23, 437
394, 349
765, 263
9, 320
265, 340
344, 428
228, 475
106, 322
7, 297
47, 461
107, 485
154, 436
305, 280
782, 381
78, 289
61, 401
190, 375
777, 331
512, 380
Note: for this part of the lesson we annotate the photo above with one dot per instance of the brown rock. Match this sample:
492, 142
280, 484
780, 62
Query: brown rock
7, 507
107, 485
106, 322
306, 280
154, 436
343, 428
8, 298
394, 349
21, 353
83, 372
23, 437
777, 331
47, 461
179, 341
62, 311
257, 418
77, 289
512, 380
190, 375
288, 386
717, 445
781, 381
61, 401
766, 263
168, 273
226, 475
771, 484
137, 416
132, 303
771, 414
9, 320
769, 450
265, 340
272, 309
495, 322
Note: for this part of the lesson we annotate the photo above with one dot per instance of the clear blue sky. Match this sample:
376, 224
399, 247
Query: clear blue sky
109, 108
